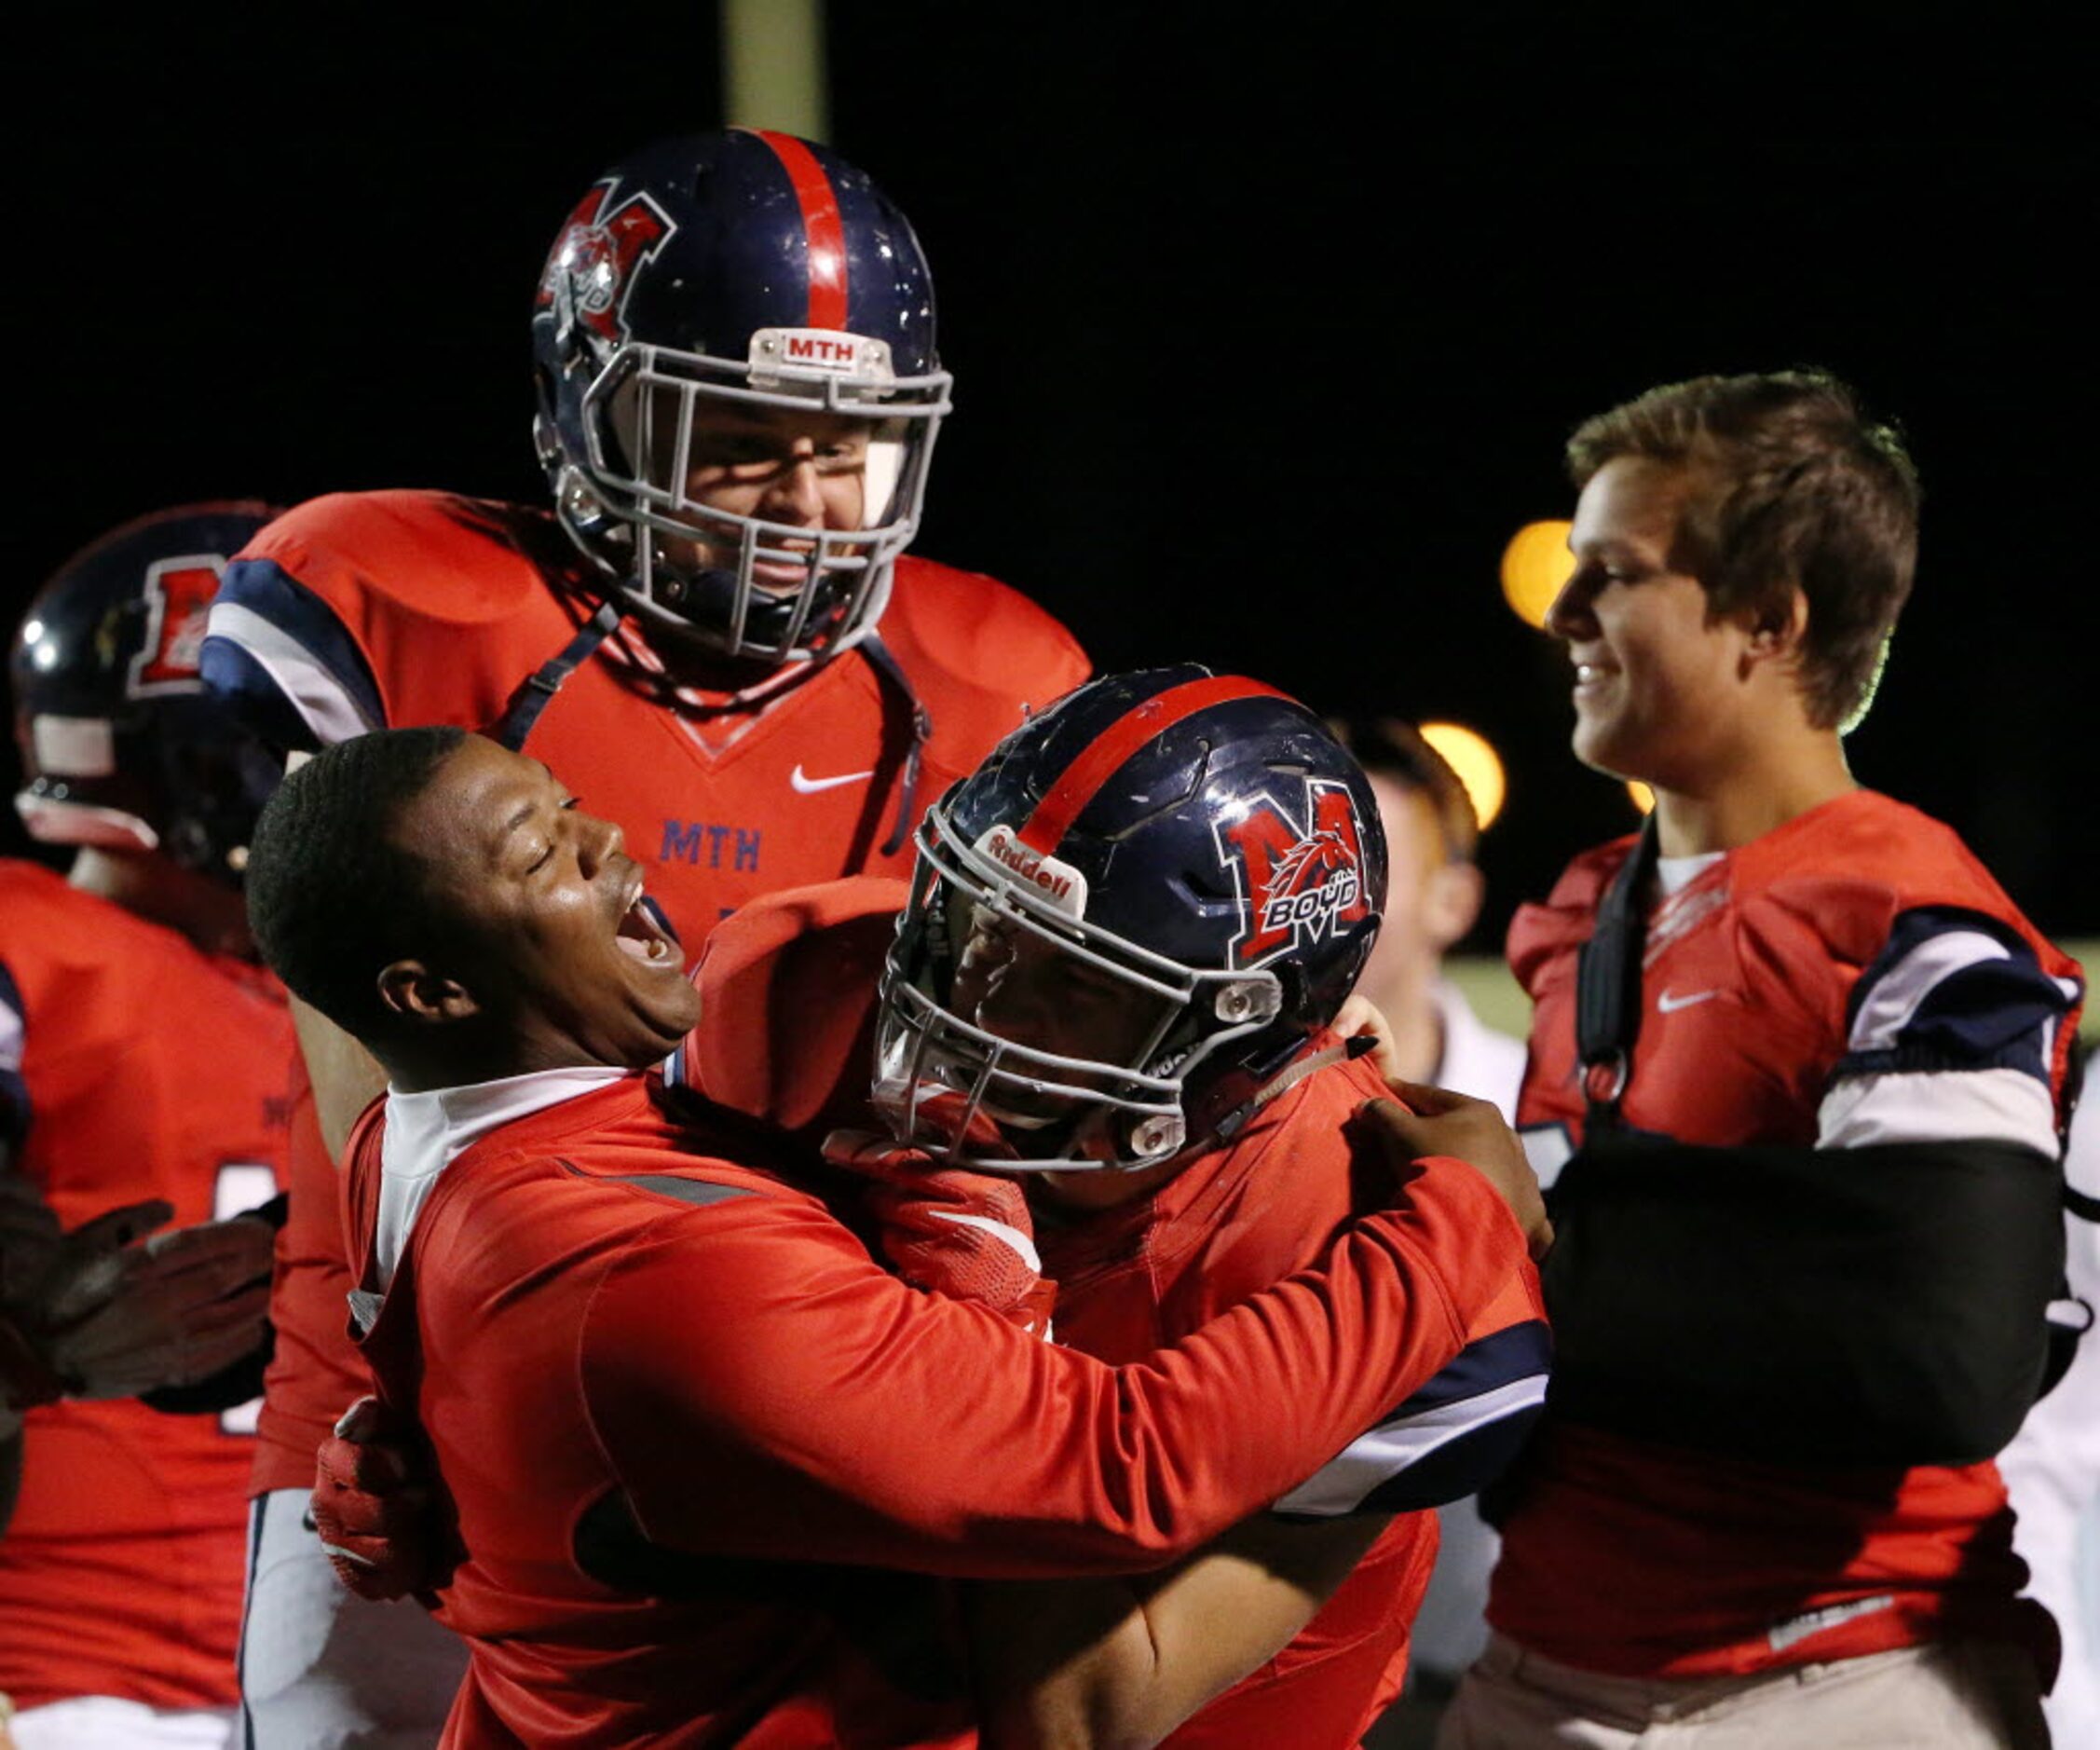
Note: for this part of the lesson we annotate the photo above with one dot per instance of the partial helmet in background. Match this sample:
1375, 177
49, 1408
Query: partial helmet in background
120, 745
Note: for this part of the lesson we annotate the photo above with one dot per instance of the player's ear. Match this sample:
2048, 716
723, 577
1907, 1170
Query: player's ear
1777, 626
1450, 902
412, 991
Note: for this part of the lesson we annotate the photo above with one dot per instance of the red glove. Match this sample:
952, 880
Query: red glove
964, 1235
374, 1509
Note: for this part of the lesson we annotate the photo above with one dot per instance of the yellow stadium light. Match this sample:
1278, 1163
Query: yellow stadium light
1477, 765
1535, 564
1644, 798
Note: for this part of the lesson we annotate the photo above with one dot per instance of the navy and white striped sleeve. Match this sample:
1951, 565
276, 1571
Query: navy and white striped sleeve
280, 659
1951, 1036
1450, 1439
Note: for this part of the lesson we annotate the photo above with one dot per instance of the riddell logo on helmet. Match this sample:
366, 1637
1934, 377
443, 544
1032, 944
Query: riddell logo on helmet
1058, 882
596, 256
1295, 882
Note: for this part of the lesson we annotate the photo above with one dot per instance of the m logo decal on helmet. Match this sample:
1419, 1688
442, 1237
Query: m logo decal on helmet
1293, 878
594, 258
178, 597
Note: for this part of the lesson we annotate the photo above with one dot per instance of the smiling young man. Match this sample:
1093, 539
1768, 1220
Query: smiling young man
1814, 1041
678, 1409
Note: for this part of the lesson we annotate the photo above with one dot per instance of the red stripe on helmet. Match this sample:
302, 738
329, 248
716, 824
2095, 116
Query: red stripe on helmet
822, 227
1099, 760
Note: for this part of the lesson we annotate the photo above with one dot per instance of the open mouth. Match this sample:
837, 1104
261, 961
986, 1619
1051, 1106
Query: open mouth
640, 937
786, 573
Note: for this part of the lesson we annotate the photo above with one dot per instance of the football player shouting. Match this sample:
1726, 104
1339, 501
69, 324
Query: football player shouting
714, 633
680, 1411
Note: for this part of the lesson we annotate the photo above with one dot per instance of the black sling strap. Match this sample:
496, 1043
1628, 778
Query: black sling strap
1608, 987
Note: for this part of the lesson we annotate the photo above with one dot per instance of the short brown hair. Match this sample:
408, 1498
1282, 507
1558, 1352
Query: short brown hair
1792, 486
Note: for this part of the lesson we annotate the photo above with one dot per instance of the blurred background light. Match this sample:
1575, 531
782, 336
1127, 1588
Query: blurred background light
1535, 564
1469, 753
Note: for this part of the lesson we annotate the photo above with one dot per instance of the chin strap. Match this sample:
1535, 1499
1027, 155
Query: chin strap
1341, 1051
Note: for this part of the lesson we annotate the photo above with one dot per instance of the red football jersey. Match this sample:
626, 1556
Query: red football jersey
1230, 1224
1134, 1278
143, 1069
680, 1411
364, 611
1855, 977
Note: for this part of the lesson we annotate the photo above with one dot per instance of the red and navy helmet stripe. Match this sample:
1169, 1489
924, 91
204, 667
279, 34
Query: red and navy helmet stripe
1101, 759
824, 232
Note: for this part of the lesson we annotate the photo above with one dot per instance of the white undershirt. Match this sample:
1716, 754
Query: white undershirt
1477, 1060
1673, 874
425, 1133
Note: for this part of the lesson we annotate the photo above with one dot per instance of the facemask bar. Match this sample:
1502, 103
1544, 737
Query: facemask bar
50, 821
847, 571
1122, 1116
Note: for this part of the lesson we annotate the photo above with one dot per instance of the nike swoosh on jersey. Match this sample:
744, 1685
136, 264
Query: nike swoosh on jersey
1667, 1005
806, 786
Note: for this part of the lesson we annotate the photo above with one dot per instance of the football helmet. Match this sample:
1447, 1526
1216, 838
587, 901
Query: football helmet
706, 296
1189, 864
120, 745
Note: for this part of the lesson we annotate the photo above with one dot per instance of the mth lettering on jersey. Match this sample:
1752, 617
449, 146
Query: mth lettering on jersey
711, 844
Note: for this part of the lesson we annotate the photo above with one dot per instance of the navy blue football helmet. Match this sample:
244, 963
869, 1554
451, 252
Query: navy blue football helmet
120, 745
1200, 847
701, 289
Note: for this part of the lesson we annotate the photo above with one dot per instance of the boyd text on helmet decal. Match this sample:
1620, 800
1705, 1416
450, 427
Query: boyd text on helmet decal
1293, 878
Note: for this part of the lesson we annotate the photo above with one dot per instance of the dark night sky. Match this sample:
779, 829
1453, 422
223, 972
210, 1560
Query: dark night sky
1264, 344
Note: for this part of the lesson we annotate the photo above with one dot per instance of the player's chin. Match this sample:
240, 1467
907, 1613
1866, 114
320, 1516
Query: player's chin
660, 999
653, 1025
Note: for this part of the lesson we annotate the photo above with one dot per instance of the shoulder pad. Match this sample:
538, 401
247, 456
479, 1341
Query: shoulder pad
788, 991
363, 609
973, 645
435, 557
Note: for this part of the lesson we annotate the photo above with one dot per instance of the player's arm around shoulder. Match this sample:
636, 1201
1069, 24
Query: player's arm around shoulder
1121, 1664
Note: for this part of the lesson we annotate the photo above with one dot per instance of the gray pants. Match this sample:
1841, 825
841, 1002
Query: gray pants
1954, 1696
322, 1669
